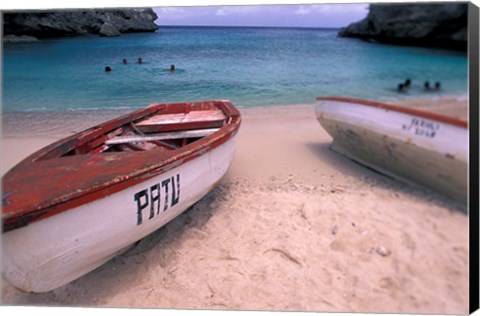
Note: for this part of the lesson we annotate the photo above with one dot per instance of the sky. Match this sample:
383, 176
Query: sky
294, 15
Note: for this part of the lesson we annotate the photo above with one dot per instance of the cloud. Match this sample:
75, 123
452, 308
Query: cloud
302, 10
243, 10
169, 10
311, 15
174, 14
340, 8
170, 13
331, 9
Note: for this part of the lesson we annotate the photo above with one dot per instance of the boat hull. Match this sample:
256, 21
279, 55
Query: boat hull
52, 252
410, 147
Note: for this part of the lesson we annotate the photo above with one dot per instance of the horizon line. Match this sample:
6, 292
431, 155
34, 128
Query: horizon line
253, 26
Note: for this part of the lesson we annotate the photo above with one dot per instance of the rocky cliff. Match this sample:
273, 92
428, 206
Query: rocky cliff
42, 24
436, 25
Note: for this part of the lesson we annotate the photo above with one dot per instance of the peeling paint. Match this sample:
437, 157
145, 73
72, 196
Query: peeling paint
387, 146
87, 175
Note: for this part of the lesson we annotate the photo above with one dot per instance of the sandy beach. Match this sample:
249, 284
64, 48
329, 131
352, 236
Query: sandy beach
293, 226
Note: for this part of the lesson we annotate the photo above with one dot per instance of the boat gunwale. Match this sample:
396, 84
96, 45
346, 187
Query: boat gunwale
14, 219
424, 114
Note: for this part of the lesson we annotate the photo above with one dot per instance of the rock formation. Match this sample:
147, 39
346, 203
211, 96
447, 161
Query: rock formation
436, 25
43, 24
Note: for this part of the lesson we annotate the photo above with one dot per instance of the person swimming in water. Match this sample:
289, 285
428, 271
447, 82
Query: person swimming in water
426, 85
140, 60
125, 61
108, 69
172, 68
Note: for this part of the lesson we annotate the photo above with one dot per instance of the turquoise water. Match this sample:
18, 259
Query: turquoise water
249, 66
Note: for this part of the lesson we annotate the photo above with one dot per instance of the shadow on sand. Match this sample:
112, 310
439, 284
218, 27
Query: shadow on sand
372, 177
130, 265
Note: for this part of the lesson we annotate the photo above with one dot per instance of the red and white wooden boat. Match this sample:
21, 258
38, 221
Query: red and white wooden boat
77, 203
408, 144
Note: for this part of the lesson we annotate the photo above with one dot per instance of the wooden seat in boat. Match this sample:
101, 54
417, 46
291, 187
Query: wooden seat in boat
161, 136
183, 121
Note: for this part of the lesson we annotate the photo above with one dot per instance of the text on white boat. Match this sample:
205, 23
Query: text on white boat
157, 195
422, 127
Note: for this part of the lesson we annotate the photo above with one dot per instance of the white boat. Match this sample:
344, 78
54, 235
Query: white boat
414, 146
77, 203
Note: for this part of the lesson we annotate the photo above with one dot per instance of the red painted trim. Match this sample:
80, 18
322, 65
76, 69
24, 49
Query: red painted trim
144, 165
424, 114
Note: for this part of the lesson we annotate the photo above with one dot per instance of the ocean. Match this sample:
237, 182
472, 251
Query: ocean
246, 65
